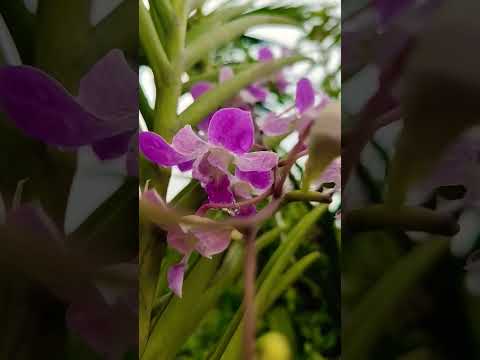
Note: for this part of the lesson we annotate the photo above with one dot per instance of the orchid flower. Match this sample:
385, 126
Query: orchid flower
306, 111
246, 97
230, 138
104, 114
265, 55
185, 239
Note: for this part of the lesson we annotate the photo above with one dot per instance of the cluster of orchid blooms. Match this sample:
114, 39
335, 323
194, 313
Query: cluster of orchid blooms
224, 160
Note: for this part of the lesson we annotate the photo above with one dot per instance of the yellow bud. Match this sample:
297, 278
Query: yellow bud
273, 346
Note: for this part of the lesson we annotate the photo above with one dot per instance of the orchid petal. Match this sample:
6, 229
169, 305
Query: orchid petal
175, 278
186, 166
258, 179
233, 129
305, 95
226, 73
258, 92
187, 143
200, 88
265, 54
112, 147
218, 190
43, 109
180, 240
110, 91
157, 150
212, 242
257, 161
275, 126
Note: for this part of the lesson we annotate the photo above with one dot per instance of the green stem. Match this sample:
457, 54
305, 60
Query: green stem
297, 195
154, 51
402, 218
165, 119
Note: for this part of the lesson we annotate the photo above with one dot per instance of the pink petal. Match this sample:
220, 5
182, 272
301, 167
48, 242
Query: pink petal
218, 191
233, 129
258, 92
187, 143
265, 54
212, 242
180, 241
226, 73
175, 278
257, 161
220, 159
274, 126
200, 88
305, 95
157, 150
258, 179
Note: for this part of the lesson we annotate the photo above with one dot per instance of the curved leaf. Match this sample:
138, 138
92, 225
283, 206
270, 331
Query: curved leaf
214, 38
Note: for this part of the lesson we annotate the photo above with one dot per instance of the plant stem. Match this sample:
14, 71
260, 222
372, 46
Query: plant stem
315, 196
150, 41
402, 218
249, 296
165, 120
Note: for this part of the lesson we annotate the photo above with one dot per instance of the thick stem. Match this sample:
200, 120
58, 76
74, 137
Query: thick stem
249, 296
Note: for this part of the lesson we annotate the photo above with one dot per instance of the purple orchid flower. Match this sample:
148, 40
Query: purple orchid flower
266, 55
306, 112
230, 138
247, 97
104, 114
186, 239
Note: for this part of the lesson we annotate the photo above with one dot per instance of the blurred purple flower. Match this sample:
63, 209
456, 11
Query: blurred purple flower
306, 112
104, 114
251, 95
230, 138
265, 55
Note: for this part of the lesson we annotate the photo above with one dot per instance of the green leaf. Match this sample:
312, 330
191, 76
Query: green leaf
213, 39
365, 326
213, 99
150, 41
217, 18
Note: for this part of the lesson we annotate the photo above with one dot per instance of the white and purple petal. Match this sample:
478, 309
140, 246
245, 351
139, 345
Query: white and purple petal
218, 190
276, 126
258, 179
175, 277
187, 143
265, 54
212, 242
257, 161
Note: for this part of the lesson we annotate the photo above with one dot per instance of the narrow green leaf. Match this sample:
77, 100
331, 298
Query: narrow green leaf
213, 99
365, 326
217, 18
213, 39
